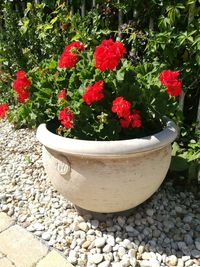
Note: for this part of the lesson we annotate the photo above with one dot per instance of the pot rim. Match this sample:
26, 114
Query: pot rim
106, 148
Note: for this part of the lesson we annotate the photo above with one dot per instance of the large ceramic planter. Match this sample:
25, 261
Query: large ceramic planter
107, 176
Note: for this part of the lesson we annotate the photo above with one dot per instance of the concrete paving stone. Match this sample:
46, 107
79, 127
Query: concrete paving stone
5, 221
21, 247
4, 262
1, 255
54, 259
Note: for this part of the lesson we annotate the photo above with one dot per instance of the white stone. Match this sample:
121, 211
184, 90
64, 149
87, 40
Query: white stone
125, 261
97, 258
107, 248
121, 252
100, 242
111, 241
145, 263
154, 262
147, 256
189, 263
180, 263
116, 247
126, 243
74, 243
117, 264
30, 228
83, 226
104, 264
172, 260
72, 259
108, 256
38, 226
133, 262
46, 236
132, 253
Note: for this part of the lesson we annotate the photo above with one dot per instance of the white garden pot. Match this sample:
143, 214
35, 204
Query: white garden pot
107, 176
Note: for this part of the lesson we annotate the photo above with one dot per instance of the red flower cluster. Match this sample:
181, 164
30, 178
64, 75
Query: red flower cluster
134, 120
170, 80
66, 117
108, 54
3, 109
20, 85
62, 94
122, 108
93, 92
68, 58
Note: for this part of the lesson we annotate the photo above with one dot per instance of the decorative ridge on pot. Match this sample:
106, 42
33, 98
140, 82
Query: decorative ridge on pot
107, 148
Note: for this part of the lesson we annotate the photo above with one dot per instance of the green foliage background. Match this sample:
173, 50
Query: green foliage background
158, 32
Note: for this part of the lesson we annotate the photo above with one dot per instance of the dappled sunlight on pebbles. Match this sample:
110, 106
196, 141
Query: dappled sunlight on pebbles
164, 231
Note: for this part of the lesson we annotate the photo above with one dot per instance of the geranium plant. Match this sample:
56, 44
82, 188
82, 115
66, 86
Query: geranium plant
97, 94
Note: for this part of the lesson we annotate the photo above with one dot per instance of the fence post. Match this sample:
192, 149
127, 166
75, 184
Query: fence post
120, 20
198, 117
181, 100
83, 8
71, 6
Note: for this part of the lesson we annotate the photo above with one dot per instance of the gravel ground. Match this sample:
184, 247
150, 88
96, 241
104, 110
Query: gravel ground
164, 231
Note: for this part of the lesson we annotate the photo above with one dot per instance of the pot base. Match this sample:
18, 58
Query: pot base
87, 214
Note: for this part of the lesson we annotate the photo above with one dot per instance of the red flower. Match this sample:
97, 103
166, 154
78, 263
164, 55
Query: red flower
20, 85
134, 120
170, 80
22, 96
125, 122
3, 109
108, 54
93, 92
66, 117
20, 74
78, 45
168, 76
121, 107
68, 58
174, 88
21, 82
62, 94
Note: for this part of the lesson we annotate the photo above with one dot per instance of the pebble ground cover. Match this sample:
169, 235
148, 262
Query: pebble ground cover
163, 231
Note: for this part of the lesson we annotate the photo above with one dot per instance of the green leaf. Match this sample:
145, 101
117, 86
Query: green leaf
53, 20
28, 7
25, 24
198, 58
175, 148
178, 164
120, 75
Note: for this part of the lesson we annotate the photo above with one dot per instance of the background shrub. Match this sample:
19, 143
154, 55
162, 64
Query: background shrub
160, 32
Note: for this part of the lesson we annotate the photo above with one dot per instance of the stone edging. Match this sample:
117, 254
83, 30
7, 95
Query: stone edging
19, 248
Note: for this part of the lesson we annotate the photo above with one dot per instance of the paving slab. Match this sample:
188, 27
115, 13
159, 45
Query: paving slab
5, 221
4, 262
54, 259
1, 255
21, 247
